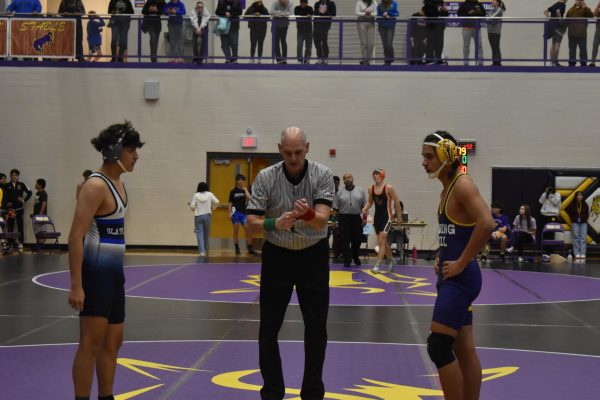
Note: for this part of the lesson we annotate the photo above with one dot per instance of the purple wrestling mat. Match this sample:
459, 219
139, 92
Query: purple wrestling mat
228, 370
407, 285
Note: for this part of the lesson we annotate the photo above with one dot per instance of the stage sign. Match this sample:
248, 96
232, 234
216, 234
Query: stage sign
42, 37
3, 37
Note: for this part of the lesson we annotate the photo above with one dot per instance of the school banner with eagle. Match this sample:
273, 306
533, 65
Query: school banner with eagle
42, 37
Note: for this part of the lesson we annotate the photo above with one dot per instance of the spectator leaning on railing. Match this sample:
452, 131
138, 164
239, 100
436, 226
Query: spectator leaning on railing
555, 29
366, 10
596, 36
257, 15
387, 12
304, 28
175, 9
230, 9
152, 25
472, 29
199, 18
281, 11
323, 8
494, 28
578, 32
436, 11
24, 7
75, 9
120, 20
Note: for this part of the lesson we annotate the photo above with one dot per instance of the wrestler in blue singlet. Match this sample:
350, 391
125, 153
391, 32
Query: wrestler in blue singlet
455, 295
103, 254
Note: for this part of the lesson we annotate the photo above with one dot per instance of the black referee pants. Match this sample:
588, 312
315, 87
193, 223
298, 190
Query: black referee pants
351, 231
308, 271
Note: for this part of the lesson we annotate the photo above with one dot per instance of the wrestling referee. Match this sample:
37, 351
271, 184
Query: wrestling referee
291, 202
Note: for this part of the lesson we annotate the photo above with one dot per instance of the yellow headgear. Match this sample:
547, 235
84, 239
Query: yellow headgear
446, 149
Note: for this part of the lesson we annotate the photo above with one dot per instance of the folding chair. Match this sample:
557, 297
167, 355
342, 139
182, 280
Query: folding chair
44, 229
399, 237
553, 237
7, 239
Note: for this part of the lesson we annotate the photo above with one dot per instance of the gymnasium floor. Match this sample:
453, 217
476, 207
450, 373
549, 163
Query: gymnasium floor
192, 324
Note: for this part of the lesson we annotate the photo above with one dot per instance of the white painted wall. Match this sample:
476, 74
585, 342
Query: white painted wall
373, 120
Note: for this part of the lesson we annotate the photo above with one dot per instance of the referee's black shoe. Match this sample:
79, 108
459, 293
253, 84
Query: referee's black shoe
251, 251
357, 261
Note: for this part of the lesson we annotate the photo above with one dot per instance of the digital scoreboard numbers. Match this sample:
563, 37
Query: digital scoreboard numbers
466, 148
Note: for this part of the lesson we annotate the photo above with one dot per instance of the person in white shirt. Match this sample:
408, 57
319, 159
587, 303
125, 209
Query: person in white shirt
366, 10
199, 17
202, 204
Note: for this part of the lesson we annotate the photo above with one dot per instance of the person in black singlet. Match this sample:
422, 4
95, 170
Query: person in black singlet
96, 255
384, 197
465, 225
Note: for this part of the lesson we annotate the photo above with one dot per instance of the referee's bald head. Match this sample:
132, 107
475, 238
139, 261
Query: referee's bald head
293, 132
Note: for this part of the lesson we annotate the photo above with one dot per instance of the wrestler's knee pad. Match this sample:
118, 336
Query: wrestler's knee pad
439, 348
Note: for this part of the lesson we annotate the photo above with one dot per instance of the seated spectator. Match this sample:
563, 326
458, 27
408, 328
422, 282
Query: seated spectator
257, 23
524, 228
175, 9
502, 231
94, 36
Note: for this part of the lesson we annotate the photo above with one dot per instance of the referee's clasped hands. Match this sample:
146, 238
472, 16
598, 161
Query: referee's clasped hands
288, 219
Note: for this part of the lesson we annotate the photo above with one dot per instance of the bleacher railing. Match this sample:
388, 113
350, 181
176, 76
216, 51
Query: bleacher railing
523, 41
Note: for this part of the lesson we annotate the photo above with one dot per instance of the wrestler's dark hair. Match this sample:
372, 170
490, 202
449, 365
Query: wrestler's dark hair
126, 131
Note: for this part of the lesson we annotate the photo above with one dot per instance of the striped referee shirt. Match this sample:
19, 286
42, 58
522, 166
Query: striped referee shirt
274, 192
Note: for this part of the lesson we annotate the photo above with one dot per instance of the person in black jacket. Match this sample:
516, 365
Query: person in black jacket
257, 23
152, 25
435, 10
304, 31
15, 195
229, 42
74, 9
472, 29
323, 8
119, 27
418, 35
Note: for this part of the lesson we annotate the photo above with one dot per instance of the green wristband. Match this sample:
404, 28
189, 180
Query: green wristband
269, 224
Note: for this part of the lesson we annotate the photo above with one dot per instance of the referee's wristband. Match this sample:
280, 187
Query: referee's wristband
308, 215
269, 224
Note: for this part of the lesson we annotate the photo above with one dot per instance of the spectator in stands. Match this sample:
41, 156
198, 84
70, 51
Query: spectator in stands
40, 206
203, 204
596, 36
304, 31
556, 28
387, 12
86, 174
24, 8
436, 27
152, 24
472, 29
257, 15
524, 227
74, 9
175, 9
229, 41
120, 20
94, 36
550, 201
494, 28
2, 184
579, 212
502, 231
418, 38
366, 10
281, 10
578, 32
16, 194
322, 25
